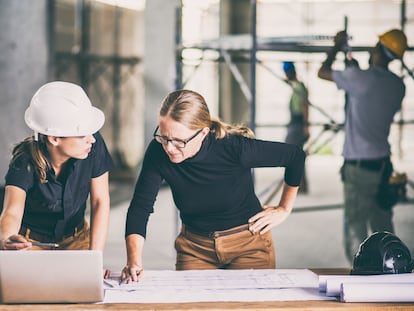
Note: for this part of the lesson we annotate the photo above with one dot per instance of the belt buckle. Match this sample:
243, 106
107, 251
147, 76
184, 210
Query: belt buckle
74, 232
217, 234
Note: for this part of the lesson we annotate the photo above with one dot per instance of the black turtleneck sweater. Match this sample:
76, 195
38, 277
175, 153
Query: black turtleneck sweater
214, 189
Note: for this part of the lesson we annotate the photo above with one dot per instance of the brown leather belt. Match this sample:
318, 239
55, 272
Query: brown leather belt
217, 234
45, 238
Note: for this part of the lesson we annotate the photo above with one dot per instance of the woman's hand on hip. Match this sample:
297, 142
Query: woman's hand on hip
270, 217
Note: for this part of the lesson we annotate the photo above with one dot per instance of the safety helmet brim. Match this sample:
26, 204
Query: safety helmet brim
87, 123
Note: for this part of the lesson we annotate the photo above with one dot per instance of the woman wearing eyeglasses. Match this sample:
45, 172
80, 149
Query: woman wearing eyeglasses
207, 164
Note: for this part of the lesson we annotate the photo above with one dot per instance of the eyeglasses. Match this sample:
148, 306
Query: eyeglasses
177, 143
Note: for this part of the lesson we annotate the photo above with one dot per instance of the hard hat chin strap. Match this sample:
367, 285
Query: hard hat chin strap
387, 52
36, 136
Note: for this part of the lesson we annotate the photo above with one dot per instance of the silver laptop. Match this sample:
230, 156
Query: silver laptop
51, 276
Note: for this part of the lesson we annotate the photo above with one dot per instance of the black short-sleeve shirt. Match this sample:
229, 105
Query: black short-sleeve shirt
55, 208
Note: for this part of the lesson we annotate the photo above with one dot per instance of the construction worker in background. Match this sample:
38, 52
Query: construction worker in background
374, 97
297, 130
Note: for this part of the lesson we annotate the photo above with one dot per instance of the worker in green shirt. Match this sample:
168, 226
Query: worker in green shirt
297, 130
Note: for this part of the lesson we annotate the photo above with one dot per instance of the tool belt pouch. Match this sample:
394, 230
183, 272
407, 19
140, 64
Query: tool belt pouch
392, 189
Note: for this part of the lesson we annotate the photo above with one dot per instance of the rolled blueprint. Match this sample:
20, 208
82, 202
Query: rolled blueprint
332, 283
377, 292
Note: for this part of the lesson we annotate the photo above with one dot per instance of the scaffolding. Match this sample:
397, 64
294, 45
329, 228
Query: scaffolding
244, 47
232, 49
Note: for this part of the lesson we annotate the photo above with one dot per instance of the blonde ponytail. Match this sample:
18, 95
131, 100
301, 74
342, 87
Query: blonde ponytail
221, 129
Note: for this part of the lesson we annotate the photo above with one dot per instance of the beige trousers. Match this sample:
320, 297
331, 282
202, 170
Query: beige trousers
78, 241
242, 250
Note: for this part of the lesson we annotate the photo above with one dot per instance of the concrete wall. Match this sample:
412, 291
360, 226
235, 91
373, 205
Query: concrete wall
119, 89
25, 65
24, 62
111, 37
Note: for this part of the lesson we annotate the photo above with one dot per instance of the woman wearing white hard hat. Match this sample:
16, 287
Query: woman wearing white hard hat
53, 172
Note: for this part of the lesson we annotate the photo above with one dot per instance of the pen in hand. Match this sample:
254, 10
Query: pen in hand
124, 281
129, 277
52, 245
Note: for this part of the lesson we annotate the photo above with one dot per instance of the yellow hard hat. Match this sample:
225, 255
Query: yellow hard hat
395, 41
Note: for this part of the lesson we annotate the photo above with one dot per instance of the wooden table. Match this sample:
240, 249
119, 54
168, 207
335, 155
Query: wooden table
266, 305
289, 305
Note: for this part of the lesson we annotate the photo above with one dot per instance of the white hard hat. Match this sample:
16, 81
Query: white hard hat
62, 109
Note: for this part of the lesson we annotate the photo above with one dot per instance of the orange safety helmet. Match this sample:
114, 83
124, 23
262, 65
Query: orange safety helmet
395, 41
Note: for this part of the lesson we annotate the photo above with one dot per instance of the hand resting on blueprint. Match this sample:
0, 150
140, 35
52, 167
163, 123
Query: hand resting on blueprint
133, 270
131, 274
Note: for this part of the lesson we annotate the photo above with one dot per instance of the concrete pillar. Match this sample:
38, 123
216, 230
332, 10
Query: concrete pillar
159, 58
24, 61
235, 18
124, 106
